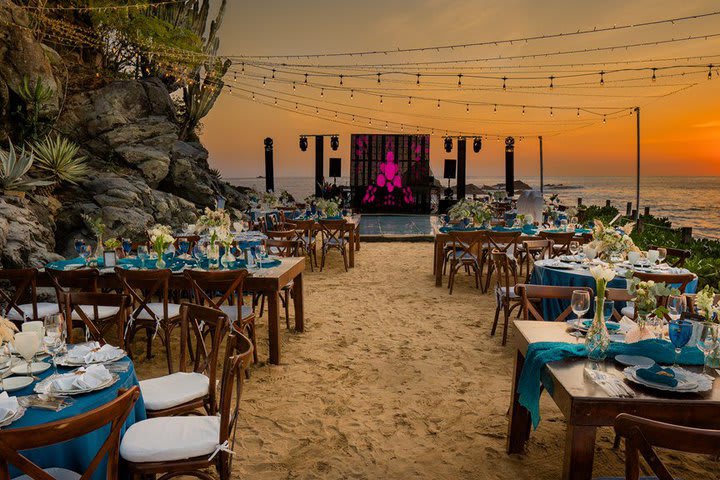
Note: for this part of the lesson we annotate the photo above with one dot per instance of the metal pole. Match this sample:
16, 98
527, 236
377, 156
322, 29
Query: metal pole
461, 167
542, 186
637, 191
269, 171
319, 155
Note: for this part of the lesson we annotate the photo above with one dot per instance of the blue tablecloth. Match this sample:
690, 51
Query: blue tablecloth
76, 454
568, 278
173, 263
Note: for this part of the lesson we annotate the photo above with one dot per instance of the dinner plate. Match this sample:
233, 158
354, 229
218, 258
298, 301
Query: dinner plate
35, 367
687, 381
13, 418
44, 386
635, 360
66, 361
13, 384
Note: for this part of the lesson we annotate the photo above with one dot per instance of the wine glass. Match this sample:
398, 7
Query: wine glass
680, 332
574, 247
126, 246
574, 221
85, 252
662, 254
580, 304
54, 340
143, 254
608, 309
27, 344
707, 338
79, 242
564, 224
676, 306
183, 246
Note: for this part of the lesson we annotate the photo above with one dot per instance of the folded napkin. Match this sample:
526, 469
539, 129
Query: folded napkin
82, 379
8, 406
658, 374
611, 326
92, 352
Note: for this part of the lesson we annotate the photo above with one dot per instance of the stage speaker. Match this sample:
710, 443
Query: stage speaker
450, 166
335, 167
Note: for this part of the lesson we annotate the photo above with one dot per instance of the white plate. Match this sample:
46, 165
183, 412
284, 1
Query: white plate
65, 361
42, 387
35, 367
617, 338
635, 361
13, 384
18, 415
687, 381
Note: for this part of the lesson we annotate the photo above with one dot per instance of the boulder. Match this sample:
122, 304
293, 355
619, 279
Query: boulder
26, 238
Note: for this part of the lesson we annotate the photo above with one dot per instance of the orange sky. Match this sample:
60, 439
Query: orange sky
680, 133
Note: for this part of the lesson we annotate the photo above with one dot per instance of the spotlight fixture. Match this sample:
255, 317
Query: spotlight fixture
303, 143
268, 144
448, 144
477, 144
334, 142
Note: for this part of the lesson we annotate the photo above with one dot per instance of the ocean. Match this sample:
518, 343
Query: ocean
686, 201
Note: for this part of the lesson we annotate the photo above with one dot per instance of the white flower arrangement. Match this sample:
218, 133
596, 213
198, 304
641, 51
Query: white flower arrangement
225, 236
478, 211
330, 208
646, 294
609, 241
705, 302
602, 275
7, 330
213, 219
160, 237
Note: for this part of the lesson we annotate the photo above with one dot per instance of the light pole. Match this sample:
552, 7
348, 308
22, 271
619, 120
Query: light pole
637, 186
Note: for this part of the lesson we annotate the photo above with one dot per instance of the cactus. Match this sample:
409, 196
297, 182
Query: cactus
13, 167
59, 157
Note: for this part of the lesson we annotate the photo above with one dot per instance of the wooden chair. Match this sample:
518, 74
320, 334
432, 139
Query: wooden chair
145, 286
532, 295
681, 280
532, 250
185, 445
203, 330
465, 252
78, 305
621, 295
13, 441
83, 280
642, 436
680, 255
306, 234
229, 283
333, 237
23, 283
191, 239
506, 297
503, 242
561, 242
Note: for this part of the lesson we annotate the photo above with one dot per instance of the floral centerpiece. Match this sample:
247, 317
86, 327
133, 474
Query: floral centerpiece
645, 296
213, 221
160, 238
597, 340
7, 330
112, 244
710, 310
611, 243
286, 199
470, 210
329, 207
226, 238
269, 200
97, 227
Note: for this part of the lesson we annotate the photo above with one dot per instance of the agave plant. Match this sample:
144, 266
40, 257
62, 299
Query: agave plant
59, 157
13, 167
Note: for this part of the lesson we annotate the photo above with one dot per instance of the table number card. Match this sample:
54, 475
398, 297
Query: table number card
110, 259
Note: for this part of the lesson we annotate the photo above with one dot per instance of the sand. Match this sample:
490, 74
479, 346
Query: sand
394, 378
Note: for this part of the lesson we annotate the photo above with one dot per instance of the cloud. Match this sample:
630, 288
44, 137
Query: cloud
710, 124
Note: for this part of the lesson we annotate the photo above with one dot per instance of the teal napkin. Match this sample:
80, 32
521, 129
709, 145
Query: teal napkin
658, 374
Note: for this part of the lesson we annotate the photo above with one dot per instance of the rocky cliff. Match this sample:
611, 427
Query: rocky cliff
140, 172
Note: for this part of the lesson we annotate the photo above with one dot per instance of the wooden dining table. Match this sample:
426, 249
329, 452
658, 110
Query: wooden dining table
586, 406
269, 281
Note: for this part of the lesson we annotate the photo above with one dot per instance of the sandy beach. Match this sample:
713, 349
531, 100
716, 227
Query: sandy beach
394, 378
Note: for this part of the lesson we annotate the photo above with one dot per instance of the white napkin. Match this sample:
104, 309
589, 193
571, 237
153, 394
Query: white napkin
8, 406
82, 379
626, 324
91, 352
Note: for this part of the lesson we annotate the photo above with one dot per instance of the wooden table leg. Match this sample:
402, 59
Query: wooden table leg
351, 260
274, 326
579, 452
298, 302
357, 238
438, 263
519, 425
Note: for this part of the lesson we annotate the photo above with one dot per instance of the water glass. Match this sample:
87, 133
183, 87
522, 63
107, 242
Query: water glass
126, 246
662, 254
183, 246
652, 256
676, 306
85, 252
55, 334
143, 254
79, 242
574, 247
707, 338
564, 224
27, 344
680, 332
580, 304
608, 308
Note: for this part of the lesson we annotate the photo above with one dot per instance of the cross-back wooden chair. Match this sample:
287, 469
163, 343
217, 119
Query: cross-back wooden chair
183, 445
679, 281
465, 251
306, 234
679, 255
531, 297
13, 441
532, 250
79, 305
23, 283
333, 237
503, 242
618, 295
561, 241
191, 385
643, 436
229, 285
145, 287
506, 298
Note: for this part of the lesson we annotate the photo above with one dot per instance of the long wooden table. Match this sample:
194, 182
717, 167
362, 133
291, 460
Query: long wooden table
269, 281
586, 407
352, 228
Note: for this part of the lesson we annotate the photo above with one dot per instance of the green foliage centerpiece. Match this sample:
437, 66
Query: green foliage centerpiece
474, 211
160, 238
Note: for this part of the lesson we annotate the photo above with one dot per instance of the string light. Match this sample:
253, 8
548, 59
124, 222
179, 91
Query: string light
523, 111
438, 104
604, 119
341, 80
352, 94
378, 76
263, 81
381, 99
710, 67
418, 78
322, 92
653, 75
460, 75
504, 80
467, 108
273, 74
551, 81
495, 108
602, 78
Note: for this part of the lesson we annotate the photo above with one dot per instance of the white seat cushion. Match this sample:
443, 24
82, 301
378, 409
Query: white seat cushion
165, 439
172, 390
628, 311
103, 312
231, 312
157, 308
58, 473
43, 310
501, 292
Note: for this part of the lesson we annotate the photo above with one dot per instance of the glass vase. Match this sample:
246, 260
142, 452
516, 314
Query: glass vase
228, 260
597, 340
160, 264
213, 256
712, 359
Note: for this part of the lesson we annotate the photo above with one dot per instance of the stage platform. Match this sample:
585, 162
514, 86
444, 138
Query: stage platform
401, 228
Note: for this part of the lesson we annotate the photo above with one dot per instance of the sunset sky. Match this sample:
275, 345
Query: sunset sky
680, 132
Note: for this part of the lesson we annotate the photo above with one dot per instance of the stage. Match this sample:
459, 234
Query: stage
389, 227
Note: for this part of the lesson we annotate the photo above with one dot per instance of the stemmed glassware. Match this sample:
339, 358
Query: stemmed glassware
580, 304
680, 332
55, 333
707, 338
662, 254
183, 246
79, 243
143, 254
574, 247
27, 344
260, 254
127, 246
676, 306
85, 252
